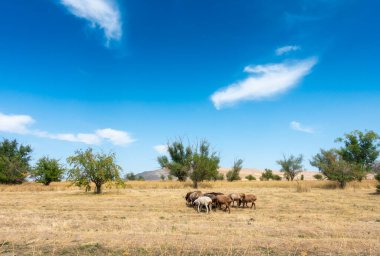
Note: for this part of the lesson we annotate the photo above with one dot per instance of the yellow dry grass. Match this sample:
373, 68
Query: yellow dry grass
150, 218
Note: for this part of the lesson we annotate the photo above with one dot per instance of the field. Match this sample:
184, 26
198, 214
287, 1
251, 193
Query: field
150, 218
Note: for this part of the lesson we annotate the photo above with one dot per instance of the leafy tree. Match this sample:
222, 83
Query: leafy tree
250, 177
47, 170
204, 164
180, 160
318, 176
234, 173
98, 168
131, 176
331, 165
267, 175
291, 166
162, 177
360, 150
14, 162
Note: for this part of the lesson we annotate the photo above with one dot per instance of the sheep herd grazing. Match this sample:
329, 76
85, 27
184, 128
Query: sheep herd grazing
214, 200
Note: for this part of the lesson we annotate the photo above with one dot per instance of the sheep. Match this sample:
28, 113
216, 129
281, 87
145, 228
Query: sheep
187, 196
203, 201
195, 195
236, 197
223, 199
249, 198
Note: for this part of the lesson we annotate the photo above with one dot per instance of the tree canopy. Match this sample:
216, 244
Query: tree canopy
234, 173
14, 161
47, 170
291, 166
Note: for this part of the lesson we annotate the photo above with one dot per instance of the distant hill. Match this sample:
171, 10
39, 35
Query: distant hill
156, 174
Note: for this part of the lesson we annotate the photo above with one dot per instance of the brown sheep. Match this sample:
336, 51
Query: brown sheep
249, 198
223, 199
236, 197
194, 196
213, 195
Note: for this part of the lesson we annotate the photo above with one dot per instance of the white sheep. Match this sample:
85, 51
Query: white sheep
204, 201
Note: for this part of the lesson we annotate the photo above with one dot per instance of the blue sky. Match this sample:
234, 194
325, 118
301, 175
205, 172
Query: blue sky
258, 79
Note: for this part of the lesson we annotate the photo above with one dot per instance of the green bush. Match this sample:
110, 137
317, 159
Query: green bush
318, 176
250, 177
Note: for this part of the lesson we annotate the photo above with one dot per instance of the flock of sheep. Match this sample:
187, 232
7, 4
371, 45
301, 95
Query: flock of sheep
216, 200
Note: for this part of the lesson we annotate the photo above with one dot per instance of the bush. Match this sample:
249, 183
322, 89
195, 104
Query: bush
276, 177
302, 177
377, 177
234, 173
162, 177
318, 176
250, 177
170, 177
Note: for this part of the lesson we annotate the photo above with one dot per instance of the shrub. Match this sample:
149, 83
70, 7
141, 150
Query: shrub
162, 177
276, 177
250, 177
318, 176
170, 177
302, 177
377, 177
267, 175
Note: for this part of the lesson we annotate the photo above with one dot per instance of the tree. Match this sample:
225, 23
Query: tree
360, 150
250, 177
131, 176
267, 175
47, 170
331, 164
234, 173
162, 177
204, 163
170, 177
291, 166
98, 168
14, 162
220, 176
180, 160
140, 178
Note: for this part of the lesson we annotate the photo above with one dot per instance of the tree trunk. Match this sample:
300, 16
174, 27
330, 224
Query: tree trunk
195, 184
342, 184
98, 189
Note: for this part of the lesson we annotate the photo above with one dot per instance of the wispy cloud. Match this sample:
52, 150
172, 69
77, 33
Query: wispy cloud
104, 14
161, 149
15, 123
285, 49
20, 124
265, 81
299, 127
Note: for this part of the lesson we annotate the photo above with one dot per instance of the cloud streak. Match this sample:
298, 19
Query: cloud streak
265, 81
103, 14
19, 124
299, 127
286, 49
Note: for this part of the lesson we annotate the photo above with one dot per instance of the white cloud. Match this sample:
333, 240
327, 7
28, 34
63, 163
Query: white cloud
100, 13
19, 124
285, 49
161, 149
15, 123
299, 127
120, 138
265, 81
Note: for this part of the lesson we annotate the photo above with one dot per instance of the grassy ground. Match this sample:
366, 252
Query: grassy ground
150, 218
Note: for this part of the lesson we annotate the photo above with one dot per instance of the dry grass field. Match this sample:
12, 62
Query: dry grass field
150, 218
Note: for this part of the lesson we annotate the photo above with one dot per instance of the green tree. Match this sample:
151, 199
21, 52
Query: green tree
234, 173
267, 175
180, 160
360, 149
14, 162
331, 165
204, 164
47, 170
250, 177
131, 176
99, 168
291, 166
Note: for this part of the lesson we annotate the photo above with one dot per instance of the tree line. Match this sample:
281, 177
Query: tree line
199, 162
